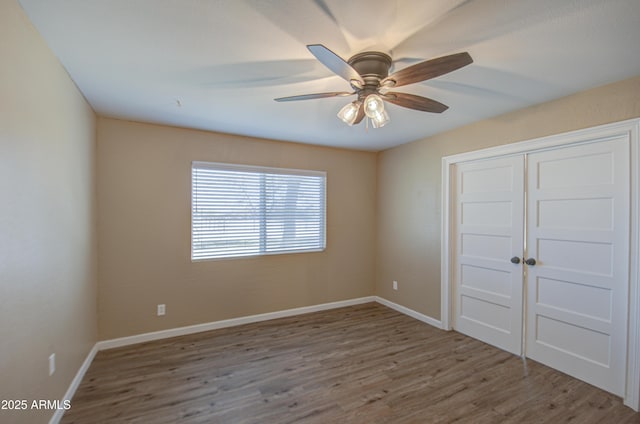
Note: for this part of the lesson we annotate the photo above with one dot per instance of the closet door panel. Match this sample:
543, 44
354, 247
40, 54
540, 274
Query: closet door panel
489, 232
578, 233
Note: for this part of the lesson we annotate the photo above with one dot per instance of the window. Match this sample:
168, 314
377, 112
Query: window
239, 210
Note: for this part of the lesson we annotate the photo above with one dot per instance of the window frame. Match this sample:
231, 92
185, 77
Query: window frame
222, 166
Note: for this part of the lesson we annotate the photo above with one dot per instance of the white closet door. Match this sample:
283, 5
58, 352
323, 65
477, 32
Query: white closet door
489, 232
578, 232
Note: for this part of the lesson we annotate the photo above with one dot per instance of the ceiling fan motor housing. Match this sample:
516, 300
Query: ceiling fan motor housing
373, 67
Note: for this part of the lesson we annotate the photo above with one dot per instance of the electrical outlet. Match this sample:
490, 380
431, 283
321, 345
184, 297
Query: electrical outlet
162, 309
395, 285
52, 363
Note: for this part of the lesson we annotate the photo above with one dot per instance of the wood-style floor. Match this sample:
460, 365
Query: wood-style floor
362, 364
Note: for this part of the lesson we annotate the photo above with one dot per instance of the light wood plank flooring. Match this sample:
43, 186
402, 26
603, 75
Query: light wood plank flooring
361, 364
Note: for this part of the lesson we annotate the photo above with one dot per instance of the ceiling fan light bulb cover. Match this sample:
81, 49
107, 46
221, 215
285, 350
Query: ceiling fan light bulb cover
349, 113
380, 119
373, 105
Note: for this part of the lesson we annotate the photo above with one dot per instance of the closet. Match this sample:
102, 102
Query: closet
539, 254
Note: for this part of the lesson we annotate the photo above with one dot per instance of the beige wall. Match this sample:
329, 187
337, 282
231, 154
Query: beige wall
47, 220
144, 194
409, 184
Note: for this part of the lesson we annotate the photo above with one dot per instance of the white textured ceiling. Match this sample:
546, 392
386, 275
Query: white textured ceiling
218, 64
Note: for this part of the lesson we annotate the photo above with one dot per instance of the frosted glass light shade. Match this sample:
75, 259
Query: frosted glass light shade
349, 113
373, 105
380, 119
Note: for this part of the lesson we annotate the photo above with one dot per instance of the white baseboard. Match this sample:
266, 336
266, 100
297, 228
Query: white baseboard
410, 312
57, 416
182, 331
215, 325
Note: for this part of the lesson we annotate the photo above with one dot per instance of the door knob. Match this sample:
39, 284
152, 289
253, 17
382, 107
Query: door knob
530, 262
515, 260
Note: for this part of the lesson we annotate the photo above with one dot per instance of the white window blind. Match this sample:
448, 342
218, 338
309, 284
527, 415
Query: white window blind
239, 210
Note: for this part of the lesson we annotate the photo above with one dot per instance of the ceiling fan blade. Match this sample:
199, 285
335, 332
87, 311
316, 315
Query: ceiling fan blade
413, 101
335, 63
360, 114
314, 96
428, 69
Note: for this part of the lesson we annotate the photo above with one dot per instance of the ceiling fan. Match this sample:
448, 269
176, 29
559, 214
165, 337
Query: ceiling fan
368, 75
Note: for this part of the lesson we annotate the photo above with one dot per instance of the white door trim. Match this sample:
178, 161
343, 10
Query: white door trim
630, 128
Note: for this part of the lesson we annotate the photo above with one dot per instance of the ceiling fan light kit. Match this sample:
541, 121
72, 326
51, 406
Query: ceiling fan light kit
373, 105
368, 75
379, 119
374, 109
349, 113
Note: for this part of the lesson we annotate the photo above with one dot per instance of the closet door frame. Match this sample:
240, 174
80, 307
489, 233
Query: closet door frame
630, 129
